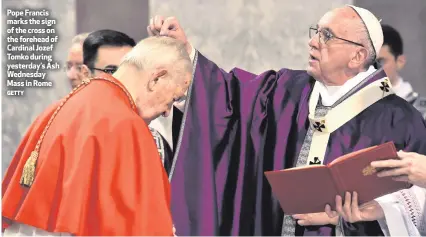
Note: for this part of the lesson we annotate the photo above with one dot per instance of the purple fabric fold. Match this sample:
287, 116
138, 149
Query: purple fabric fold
239, 125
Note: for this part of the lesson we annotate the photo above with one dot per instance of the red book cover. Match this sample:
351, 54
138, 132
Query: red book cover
308, 189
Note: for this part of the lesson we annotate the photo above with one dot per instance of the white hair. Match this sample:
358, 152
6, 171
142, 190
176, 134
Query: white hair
364, 38
79, 39
158, 51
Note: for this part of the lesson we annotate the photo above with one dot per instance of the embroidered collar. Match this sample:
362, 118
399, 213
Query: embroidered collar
330, 94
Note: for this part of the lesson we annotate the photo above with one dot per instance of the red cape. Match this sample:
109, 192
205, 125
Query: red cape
98, 172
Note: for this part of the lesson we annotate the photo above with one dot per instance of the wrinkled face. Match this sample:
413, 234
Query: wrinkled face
108, 59
390, 64
74, 64
330, 56
162, 92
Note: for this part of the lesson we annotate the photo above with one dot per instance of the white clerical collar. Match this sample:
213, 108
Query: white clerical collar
164, 126
402, 88
330, 94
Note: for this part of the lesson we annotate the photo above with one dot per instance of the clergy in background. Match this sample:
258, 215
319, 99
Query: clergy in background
74, 62
393, 60
237, 125
89, 164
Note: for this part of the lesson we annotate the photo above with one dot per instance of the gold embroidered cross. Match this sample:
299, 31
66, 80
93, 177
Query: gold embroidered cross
369, 170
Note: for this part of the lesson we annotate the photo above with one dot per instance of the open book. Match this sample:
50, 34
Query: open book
308, 189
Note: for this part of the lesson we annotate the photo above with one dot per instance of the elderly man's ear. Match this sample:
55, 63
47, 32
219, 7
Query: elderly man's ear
155, 78
359, 58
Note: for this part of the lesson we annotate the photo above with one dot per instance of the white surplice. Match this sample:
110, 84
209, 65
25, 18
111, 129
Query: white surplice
405, 212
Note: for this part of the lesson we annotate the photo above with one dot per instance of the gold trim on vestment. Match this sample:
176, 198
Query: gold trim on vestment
340, 114
28, 173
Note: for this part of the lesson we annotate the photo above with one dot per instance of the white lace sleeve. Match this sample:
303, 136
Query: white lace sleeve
414, 202
404, 212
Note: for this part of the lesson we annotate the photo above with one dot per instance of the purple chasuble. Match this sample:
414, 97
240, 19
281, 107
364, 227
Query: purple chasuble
238, 125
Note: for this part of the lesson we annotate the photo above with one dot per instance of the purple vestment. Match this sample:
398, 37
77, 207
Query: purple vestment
239, 125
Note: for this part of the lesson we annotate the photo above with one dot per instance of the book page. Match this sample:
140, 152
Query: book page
350, 155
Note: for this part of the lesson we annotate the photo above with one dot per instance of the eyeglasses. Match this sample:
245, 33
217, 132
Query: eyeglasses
69, 65
325, 35
109, 69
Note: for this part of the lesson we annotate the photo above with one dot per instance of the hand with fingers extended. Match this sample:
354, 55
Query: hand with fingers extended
351, 212
410, 167
322, 218
160, 26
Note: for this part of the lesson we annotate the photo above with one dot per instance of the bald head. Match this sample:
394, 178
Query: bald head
157, 73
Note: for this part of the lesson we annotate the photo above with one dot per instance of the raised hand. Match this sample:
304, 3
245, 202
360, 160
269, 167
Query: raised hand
410, 167
160, 26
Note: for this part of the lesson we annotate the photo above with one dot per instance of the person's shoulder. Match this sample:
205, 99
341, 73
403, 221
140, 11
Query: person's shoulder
395, 103
110, 104
395, 118
111, 116
293, 74
128, 119
117, 128
397, 108
46, 113
294, 79
420, 104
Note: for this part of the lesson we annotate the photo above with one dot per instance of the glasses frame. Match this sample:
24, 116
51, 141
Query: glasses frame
105, 70
68, 66
332, 36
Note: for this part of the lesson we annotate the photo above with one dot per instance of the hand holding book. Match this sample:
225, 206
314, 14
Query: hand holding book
410, 167
309, 189
350, 211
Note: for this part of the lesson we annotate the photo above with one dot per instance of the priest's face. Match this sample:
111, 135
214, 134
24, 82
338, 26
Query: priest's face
73, 66
108, 59
391, 64
333, 46
164, 88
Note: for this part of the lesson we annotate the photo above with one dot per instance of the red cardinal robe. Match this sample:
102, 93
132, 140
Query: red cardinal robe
98, 171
